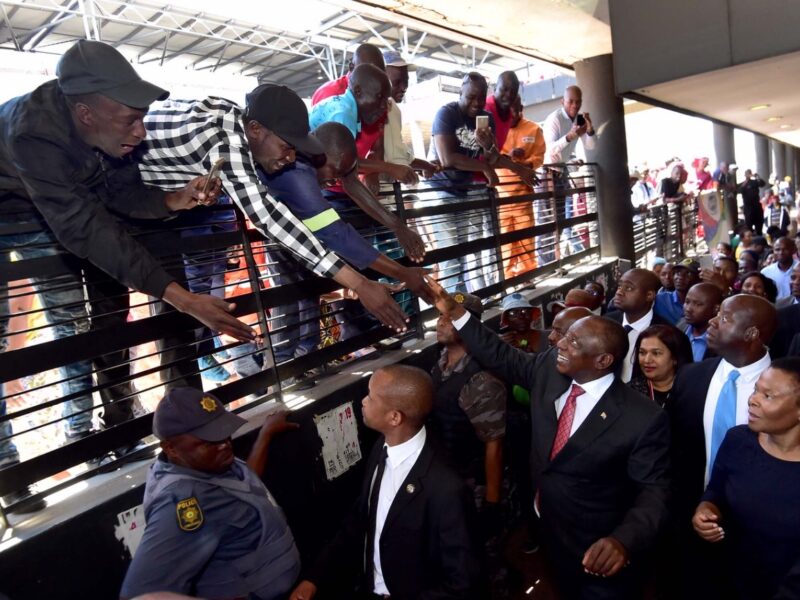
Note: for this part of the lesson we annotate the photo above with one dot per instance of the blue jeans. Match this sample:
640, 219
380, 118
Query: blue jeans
205, 270
473, 271
298, 321
63, 300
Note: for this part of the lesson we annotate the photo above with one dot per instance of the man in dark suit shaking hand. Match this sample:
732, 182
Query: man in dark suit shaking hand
410, 534
599, 452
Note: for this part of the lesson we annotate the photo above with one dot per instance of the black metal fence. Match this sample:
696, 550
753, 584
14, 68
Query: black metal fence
84, 362
668, 231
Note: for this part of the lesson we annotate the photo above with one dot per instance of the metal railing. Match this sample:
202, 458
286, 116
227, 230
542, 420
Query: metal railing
667, 230
78, 349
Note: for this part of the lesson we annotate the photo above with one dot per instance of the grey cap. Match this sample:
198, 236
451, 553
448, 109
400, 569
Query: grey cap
189, 410
90, 67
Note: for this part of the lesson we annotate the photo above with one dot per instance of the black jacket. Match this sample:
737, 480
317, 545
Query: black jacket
47, 171
610, 479
428, 547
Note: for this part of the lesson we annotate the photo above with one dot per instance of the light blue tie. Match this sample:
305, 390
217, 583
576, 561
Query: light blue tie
724, 416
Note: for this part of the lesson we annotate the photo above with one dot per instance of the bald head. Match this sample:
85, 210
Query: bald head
564, 320
741, 329
708, 292
572, 101
371, 88
756, 312
608, 336
367, 54
592, 347
636, 292
336, 139
506, 90
408, 390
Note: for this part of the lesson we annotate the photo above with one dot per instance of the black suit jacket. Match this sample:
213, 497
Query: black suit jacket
685, 409
788, 327
428, 547
611, 477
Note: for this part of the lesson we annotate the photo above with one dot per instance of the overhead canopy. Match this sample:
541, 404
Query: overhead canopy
299, 43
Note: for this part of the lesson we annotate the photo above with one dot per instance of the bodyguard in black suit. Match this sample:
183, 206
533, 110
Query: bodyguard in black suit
426, 548
599, 465
635, 295
738, 334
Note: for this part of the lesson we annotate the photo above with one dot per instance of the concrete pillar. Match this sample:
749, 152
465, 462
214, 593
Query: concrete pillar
762, 156
724, 149
789, 160
596, 79
796, 174
778, 156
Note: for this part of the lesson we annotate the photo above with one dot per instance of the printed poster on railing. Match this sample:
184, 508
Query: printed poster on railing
338, 431
715, 219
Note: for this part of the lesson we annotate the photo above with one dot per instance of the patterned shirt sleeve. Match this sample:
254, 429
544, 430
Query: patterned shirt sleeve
186, 137
483, 399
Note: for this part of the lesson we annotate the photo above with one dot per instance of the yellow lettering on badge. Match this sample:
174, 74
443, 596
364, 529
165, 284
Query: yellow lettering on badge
190, 517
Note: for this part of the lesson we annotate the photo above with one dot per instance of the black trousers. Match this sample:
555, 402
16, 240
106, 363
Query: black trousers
110, 304
753, 216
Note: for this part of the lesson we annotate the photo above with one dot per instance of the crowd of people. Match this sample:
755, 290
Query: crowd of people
660, 429
127, 158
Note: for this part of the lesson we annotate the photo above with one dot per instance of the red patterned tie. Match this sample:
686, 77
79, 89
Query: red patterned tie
565, 420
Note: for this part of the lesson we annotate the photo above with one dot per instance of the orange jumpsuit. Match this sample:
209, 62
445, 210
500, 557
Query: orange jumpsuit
519, 257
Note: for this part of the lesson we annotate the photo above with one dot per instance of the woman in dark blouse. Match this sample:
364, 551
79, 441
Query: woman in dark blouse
753, 499
660, 351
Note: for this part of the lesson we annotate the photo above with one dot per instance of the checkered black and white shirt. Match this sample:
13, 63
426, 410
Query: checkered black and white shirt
186, 137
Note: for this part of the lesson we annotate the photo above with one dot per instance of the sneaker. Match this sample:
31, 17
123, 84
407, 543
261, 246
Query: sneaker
21, 496
213, 371
299, 383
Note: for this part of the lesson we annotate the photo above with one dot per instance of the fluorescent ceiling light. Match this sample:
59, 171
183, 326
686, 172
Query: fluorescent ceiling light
773, 119
759, 106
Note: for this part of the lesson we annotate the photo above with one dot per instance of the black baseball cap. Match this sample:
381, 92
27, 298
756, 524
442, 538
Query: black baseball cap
90, 67
282, 111
192, 411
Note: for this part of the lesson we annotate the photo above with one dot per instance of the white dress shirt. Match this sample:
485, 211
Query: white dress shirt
585, 403
395, 150
748, 375
399, 461
556, 127
633, 335
593, 390
782, 279
642, 193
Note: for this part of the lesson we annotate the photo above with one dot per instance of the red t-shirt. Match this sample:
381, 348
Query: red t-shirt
501, 127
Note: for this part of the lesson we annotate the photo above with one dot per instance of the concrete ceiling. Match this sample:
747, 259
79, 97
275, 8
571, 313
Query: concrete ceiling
560, 31
728, 95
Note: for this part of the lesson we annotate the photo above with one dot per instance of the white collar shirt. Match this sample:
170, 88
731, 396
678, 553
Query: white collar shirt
748, 375
585, 403
633, 335
399, 461
782, 279
556, 127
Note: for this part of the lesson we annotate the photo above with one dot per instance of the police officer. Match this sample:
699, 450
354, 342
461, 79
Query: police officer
213, 529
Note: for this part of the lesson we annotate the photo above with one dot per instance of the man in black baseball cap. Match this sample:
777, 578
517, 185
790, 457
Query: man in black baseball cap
91, 67
211, 509
185, 136
68, 176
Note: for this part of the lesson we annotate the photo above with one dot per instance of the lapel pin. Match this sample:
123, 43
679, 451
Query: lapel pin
410, 488
603, 415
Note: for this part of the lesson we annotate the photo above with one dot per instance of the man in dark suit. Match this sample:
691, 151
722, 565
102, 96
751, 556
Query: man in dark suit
634, 299
599, 453
414, 518
788, 321
708, 398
